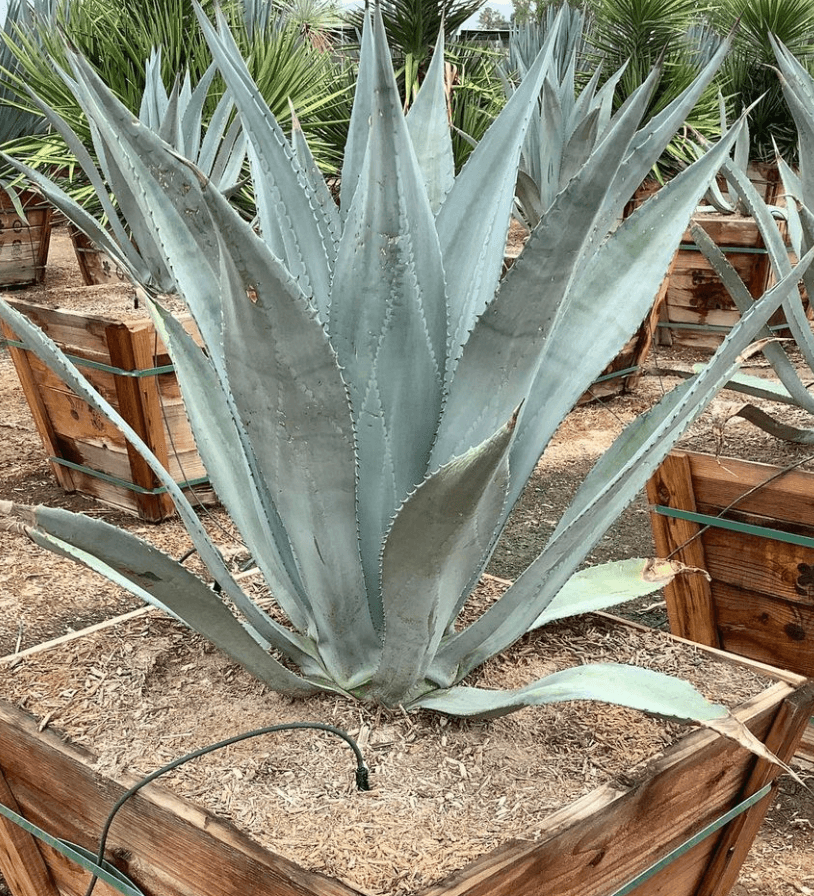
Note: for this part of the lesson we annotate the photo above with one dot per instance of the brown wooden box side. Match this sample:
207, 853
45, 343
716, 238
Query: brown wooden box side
760, 602
24, 243
168, 846
589, 853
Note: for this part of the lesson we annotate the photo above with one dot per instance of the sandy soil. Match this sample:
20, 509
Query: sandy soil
43, 597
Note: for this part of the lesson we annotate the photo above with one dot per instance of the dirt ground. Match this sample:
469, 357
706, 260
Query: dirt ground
43, 597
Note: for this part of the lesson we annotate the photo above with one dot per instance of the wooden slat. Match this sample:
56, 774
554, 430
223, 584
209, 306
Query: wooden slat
783, 738
21, 861
24, 243
689, 601
42, 419
757, 565
719, 482
131, 348
766, 628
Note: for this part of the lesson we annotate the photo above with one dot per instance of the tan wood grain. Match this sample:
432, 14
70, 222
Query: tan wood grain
21, 861
689, 600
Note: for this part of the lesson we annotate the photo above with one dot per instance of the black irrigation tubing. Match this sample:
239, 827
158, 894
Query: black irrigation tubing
362, 772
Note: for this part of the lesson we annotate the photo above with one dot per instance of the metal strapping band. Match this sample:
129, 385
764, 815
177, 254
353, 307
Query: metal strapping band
615, 374
116, 880
123, 483
710, 829
97, 365
745, 250
709, 328
718, 522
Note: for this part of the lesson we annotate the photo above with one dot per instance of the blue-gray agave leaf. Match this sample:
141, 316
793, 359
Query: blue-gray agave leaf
428, 124
290, 217
139, 566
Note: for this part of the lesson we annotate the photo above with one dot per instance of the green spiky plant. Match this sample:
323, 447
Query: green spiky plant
747, 76
373, 397
116, 39
638, 35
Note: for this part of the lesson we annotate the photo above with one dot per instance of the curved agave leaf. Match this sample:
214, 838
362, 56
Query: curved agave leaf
223, 446
631, 686
513, 339
798, 90
743, 300
361, 117
626, 280
778, 254
437, 538
388, 320
616, 683
291, 218
608, 585
428, 125
293, 403
315, 178
775, 428
166, 193
651, 141
757, 386
54, 358
159, 580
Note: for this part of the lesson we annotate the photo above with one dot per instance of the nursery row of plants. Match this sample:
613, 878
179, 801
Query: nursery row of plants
375, 391
306, 55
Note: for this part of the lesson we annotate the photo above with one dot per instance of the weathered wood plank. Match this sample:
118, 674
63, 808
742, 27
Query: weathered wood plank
782, 739
132, 348
39, 411
760, 566
766, 628
689, 601
22, 862
596, 844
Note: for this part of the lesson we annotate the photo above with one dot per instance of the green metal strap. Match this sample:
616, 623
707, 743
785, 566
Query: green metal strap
123, 483
708, 328
744, 250
735, 526
616, 374
710, 829
98, 365
109, 874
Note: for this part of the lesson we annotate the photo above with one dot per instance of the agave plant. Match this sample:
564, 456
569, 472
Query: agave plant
373, 398
16, 122
798, 88
567, 126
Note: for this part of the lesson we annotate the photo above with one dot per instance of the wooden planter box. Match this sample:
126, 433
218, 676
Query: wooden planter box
698, 311
594, 847
24, 242
759, 601
94, 264
129, 365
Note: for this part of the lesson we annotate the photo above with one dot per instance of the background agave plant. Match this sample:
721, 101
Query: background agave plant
373, 397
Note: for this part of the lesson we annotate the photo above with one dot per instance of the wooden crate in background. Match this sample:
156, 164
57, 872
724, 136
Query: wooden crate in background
129, 365
759, 599
24, 241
